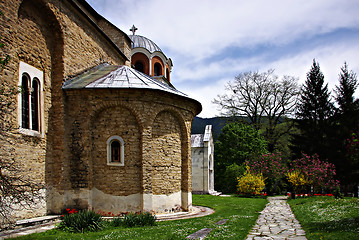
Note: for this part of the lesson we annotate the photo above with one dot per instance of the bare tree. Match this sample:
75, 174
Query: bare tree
264, 99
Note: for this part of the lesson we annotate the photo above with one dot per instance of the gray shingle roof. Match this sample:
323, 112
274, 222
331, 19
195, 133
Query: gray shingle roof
110, 76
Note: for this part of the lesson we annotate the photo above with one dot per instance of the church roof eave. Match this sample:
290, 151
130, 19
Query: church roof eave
107, 76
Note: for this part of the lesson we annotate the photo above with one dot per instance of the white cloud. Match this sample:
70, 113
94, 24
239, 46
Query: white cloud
331, 58
197, 35
202, 28
205, 95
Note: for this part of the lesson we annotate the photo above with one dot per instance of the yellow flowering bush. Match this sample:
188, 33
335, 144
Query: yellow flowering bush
297, 179
250, 183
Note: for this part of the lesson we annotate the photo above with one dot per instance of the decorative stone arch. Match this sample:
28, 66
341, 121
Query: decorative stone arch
41, 13
142, 50
160, 56
148, 60
119, 182
185, 173
143, 59
158, 68
105, 105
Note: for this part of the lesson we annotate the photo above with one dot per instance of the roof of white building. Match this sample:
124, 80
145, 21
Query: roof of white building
197, 140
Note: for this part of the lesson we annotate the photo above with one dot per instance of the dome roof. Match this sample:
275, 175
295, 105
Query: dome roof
140, 41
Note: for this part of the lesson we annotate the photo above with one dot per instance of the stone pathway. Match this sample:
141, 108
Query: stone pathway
277, 222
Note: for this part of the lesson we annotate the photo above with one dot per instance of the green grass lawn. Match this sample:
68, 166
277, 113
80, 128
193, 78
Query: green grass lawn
241, 212
327, 217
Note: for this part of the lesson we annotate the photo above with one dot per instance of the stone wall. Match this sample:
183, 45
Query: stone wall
155, 127
121, 40
166, 152
116, 180
69, 156
55, 38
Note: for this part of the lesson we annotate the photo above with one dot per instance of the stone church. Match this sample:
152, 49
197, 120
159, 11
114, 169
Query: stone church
98, 120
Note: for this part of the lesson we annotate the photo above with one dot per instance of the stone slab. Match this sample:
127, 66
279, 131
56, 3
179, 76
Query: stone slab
223, 221
200, 234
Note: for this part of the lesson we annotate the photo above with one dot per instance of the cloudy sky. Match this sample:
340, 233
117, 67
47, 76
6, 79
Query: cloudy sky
210, 42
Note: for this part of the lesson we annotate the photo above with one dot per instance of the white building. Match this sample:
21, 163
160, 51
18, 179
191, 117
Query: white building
202, 149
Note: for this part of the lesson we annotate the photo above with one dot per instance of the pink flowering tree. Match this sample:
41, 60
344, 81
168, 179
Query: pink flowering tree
273, 167
320, 174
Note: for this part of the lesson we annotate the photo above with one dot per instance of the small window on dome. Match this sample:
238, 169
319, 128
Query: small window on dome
139, 66
157, 69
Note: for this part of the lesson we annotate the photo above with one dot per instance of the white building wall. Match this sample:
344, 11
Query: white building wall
202, 162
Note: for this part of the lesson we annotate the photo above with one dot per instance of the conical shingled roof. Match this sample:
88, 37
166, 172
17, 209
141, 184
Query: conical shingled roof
110, 76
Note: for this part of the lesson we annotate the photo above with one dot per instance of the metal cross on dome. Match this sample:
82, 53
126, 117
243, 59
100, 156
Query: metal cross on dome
133, 29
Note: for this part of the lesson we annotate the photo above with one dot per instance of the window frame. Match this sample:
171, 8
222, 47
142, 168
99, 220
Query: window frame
35, 104
109, 151
32, 74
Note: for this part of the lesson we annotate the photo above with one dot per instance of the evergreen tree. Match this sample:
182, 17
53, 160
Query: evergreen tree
346, 121
348, 83
313, 111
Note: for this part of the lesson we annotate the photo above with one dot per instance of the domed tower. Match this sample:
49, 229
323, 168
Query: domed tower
148, 58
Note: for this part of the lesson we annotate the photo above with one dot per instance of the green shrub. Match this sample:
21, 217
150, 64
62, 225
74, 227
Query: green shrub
237, 143
116, 221
337, 194
139, 219
231, 174
82, 221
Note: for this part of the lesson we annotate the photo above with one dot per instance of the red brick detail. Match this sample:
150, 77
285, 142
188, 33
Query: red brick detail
154, 61
140, 57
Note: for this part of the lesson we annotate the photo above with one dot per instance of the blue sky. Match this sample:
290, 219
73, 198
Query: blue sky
210, 42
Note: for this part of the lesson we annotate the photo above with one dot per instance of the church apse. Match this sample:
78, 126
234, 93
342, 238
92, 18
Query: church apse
150, 126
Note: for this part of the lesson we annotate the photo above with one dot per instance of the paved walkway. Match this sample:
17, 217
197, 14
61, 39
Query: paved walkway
277, 222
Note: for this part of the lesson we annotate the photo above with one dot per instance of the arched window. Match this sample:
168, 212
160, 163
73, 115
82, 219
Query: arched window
139, 66
115, 151
25, 114
35, 101
30, 109
157, 69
